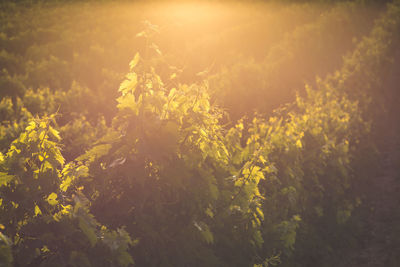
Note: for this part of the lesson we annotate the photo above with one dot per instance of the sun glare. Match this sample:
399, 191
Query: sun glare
199, 133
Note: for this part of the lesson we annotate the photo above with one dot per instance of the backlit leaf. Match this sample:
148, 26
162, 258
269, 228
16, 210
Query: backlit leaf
5, 178
37, 210
135, 60
52, 199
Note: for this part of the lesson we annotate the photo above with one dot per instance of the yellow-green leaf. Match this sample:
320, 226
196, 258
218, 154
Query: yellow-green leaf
65, 184
52, 199
127, 101
54, 133
134, 61
37, 210
299, 144
88, 231
5, 178
210, 213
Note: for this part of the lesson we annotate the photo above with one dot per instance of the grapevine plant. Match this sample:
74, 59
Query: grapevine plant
165, 183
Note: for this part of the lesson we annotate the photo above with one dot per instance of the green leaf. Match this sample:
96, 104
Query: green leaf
52, 199
5, 178
6, 257
31, 126
135, 60
208, 236
297, 218
205, 232
95, 152
37, 210
210, 213
258, 238
88, 231
58, 157
54, 133
42, 135
127, 101
66, 183
129, 84
155, 48
125, 259
141, 34
262, 159
299, 144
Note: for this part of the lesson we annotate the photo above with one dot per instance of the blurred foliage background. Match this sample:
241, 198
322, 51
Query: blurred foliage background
243, 133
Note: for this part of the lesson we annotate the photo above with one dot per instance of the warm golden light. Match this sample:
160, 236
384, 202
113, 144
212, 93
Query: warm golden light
199, 133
